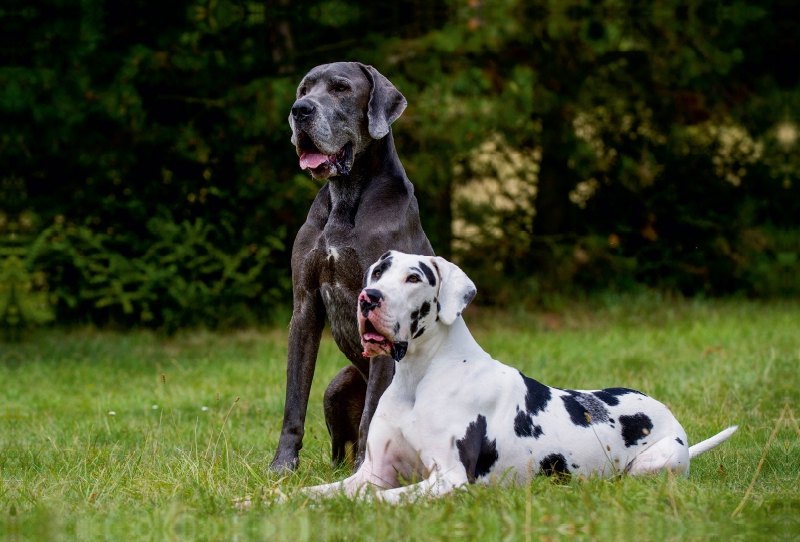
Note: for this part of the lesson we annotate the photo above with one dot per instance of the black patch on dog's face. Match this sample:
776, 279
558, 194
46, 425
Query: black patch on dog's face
366, 278
419, 333
475, 451
634, 427
429, 274
385, 255
414, 321
554, 464
579, 404
381, 268
609, 395
537, 396
524, 426
396, 328
679, 441
424, 309
417, 316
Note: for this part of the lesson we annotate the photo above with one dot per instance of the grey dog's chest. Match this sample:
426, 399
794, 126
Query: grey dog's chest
336, 272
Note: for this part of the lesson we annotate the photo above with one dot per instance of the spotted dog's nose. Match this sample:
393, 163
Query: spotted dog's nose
301, 109
369, 299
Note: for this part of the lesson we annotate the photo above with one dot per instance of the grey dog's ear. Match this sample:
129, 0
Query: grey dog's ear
386, 103
456, 290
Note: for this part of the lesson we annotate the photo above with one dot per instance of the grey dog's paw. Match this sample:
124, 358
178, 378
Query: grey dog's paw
284, 462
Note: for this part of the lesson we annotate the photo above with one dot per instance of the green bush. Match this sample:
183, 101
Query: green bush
146, 147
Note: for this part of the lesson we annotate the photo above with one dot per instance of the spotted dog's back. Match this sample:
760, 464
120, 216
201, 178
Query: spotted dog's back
548, 430
453, 415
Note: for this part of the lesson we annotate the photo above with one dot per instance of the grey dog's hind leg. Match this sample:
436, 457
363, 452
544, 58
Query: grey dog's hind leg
344, 404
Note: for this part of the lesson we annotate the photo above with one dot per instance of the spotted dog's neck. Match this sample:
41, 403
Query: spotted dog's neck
440, 347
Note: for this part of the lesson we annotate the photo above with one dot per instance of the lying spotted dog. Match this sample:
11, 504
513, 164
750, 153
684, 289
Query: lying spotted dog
453, 415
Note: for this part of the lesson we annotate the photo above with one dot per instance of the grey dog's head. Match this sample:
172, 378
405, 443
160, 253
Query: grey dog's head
340, 109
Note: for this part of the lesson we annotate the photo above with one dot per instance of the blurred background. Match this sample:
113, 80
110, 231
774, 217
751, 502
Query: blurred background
558, 149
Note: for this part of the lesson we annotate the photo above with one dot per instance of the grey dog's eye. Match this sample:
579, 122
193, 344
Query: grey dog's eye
303, 91
341, 88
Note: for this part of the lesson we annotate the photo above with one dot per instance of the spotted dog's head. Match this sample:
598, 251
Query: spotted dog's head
407, 296
340, 109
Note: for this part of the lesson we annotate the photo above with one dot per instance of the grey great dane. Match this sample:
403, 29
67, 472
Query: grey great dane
341, 128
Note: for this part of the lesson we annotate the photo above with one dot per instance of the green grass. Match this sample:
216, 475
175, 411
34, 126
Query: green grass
72, 471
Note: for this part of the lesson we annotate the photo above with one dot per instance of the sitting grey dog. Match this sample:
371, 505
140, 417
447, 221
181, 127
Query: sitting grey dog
341, 129
454, 416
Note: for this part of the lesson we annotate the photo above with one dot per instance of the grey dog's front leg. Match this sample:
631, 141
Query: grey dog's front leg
308, 321
381, 372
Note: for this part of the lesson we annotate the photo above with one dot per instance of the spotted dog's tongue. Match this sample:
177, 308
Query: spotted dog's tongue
377, 337
312, 160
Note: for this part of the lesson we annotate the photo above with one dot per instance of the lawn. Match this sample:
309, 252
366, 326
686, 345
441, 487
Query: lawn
134, 436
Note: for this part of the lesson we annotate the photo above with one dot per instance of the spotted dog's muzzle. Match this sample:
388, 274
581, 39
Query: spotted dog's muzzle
375, 325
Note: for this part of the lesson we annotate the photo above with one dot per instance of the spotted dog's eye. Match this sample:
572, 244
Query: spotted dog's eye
412, 278
377, 273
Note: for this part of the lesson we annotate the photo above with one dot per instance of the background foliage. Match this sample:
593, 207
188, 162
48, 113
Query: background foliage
146, 174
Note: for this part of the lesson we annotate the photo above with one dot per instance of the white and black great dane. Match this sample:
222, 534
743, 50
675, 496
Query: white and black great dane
454, 416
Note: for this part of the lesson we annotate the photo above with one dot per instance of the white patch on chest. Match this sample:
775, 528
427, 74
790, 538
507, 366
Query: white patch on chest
333, 253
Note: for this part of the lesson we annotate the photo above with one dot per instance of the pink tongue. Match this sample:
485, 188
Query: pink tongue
373, 337
312, 160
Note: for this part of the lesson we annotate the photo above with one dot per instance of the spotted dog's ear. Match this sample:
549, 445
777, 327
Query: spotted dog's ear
386, 103
456, 290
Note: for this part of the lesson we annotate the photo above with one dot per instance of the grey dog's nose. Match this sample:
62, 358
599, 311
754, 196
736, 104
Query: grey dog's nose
302, 110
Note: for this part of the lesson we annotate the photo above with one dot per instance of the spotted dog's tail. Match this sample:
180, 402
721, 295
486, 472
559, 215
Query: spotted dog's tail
713, 442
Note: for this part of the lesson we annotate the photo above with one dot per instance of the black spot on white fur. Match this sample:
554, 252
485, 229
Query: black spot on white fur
609, 395
429, 274
399, 350
579, 404
554, 464
679, 441
469, 296
418, 315
537, 395
419, 333
424, 309
475, 451
524, 426
635, 427
385, 255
